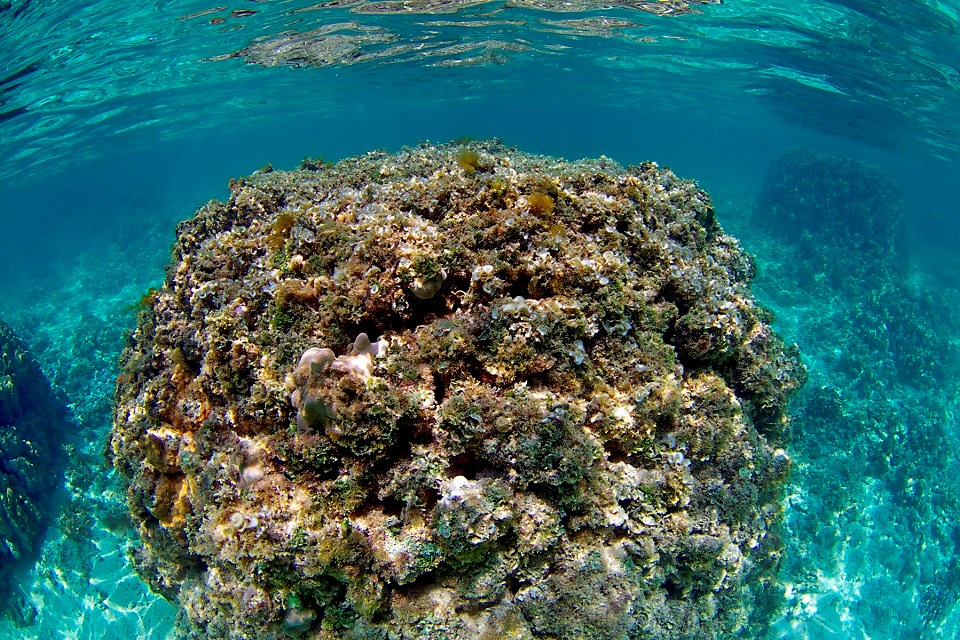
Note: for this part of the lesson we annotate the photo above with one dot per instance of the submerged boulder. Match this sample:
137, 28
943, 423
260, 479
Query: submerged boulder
842, 216
403, 397
33, 421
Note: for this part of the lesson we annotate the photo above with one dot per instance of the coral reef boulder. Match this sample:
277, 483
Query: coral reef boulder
33, 428
400, 398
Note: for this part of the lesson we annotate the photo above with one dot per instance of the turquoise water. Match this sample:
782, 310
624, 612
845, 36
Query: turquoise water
119, 121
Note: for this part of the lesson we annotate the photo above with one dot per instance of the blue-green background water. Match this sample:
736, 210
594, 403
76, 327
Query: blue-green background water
118, 121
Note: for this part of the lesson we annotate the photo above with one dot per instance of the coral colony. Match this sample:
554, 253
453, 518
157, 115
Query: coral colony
457, 393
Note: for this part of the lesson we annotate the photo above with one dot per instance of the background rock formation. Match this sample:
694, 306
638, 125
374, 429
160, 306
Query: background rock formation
843, 216
32, 432
457, 393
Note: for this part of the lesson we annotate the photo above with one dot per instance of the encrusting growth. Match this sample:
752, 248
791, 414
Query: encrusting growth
556, 412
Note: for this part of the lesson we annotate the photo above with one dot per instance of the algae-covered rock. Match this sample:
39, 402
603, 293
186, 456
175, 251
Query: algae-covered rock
399, 398
845, 217
32, 431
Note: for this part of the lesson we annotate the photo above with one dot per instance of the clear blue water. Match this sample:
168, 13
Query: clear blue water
119, 119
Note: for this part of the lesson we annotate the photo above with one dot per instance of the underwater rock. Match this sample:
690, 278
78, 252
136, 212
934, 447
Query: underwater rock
32, 432
576, 434
845, 217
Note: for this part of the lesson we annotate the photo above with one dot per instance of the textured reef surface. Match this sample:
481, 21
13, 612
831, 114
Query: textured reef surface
457, 392
33, 428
